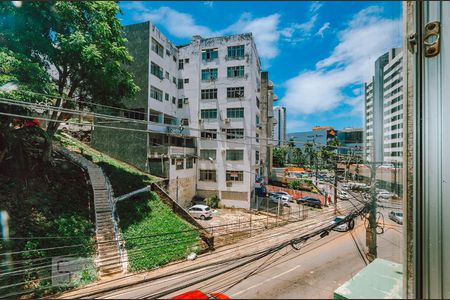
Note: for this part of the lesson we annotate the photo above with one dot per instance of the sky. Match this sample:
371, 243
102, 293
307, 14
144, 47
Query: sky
318, 54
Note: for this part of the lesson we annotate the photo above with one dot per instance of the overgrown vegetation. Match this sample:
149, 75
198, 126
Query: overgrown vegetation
303, 185
213, 201
144, 219
50, 213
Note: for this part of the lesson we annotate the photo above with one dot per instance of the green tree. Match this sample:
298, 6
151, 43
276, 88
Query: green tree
311, 154
80, 44
299, 157
279, 156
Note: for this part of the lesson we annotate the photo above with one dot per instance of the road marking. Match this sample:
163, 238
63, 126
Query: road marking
264, 281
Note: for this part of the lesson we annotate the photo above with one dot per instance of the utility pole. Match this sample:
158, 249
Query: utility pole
335, 185
177, 189
371, 230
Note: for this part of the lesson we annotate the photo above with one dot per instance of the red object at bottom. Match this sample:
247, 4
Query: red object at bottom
196, 294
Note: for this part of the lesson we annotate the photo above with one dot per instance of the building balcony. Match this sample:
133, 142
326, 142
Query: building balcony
170, 151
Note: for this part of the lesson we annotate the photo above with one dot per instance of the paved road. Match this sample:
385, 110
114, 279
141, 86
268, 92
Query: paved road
315, 271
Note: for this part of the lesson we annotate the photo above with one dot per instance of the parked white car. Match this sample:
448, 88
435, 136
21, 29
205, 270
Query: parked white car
289, 197
275, 197
200, 211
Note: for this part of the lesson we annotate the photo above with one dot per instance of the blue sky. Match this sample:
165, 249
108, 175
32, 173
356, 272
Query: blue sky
318, 54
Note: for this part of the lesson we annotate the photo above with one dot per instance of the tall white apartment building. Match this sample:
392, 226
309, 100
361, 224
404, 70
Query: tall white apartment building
383, 122
279, 129
393, 107
202, 101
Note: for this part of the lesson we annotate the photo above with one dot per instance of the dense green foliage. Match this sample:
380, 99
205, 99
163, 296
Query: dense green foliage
142, 216
213, 201
79, 46
37, 204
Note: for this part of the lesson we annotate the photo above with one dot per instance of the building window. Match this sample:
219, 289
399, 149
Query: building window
257, 157
209, 114
186, 60
236, 51
235, 92
235, 112
209, 134
174, 100
174, 80
235, 154
167, 76
137, 114
167, 52
209, 94
209, 74
186, 80
208, 175
257, 138
180, 103
157, 48
180, 83
174, 58
257, 102
210, 54
257, 120
179, 163
189, 163
235, 176
173, 161
184, 122
156, 70
180, 64
234, 72
208, 153
235, 133
156, 93
154, 117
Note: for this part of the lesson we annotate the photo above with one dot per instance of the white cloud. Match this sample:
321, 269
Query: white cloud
367, 36
178, 24
209, 3
315, 6
322, 29
264, 29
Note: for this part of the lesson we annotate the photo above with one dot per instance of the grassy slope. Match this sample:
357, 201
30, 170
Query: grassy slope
141, 215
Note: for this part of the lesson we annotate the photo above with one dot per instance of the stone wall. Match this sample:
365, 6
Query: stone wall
126, 145
186, 190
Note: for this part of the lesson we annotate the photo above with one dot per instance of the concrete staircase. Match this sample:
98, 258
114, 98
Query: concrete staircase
108, 260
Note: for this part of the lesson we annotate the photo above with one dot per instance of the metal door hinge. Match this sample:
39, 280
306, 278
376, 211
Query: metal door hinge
431, 39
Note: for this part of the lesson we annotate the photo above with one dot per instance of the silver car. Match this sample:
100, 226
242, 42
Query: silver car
200, 211
344, 226
396, 216
289, 197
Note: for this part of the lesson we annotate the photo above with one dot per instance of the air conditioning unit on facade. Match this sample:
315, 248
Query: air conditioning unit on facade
227, 121
201, 122
229, 184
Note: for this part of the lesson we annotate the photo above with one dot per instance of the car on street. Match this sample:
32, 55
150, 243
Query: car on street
275, 197
289, 197
310, 201
200, 211
396, 216
385, 195
343, 195
344, 187
346, 226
